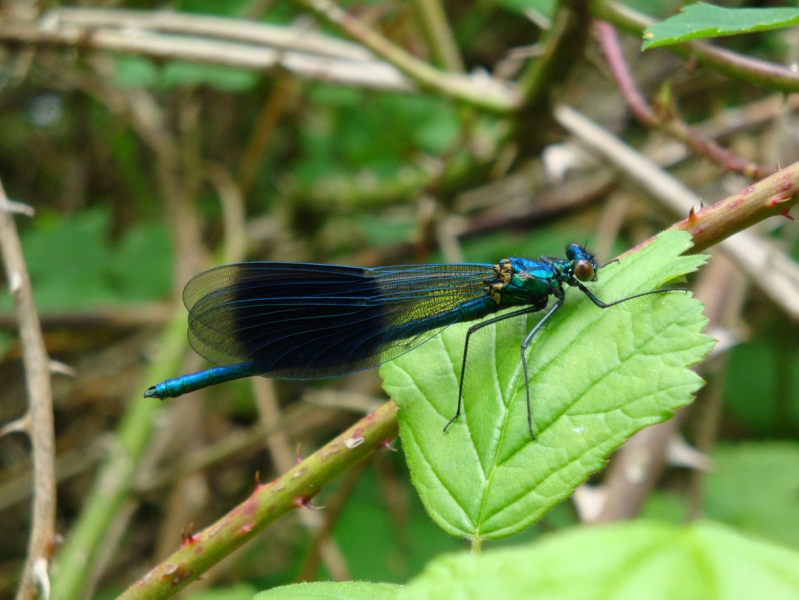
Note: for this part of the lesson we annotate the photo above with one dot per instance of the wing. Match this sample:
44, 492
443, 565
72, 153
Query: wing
308, 321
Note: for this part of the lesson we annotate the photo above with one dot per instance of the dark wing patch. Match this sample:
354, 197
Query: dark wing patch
306, 321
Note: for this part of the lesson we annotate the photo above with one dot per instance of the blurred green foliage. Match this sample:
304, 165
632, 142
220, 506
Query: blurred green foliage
74, 265
754, 487
382, 545
137, 72
761, 390
349, 130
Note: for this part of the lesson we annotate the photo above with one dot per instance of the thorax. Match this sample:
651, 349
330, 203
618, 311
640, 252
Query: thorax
523, 281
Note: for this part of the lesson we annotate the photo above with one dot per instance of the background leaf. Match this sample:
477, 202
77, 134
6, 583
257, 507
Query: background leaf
754, 487
73, 265
627, 560
596, 377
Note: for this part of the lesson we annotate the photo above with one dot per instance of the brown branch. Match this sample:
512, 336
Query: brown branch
635, 471
639, 464
334, 506
723, 289
133, 317
284, 458
262, 132
40, 407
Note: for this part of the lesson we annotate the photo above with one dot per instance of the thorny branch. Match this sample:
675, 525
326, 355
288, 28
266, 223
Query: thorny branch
38, 421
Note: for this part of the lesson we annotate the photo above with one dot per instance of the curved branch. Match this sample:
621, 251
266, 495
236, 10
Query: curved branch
40, 406
736, 66
268, 502
667, 120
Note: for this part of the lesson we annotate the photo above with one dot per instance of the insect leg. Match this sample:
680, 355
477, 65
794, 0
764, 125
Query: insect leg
601, 304
524, 311
525, 344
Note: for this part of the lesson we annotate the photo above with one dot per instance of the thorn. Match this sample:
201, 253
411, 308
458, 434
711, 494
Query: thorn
21, 425
726, 339
305, 502
17, 208
41, 576
680, 453
787, 214
50, 547
187, 538
259, 485
297, 459
56, 366
589, 501
387, 444
14, 282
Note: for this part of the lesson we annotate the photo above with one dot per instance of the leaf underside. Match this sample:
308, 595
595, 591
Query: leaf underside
701, 21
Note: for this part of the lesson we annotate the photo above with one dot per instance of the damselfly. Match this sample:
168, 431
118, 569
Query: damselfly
311, 321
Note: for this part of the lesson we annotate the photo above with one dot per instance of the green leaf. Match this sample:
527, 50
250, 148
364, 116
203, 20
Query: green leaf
754, 487
702, 20
638, 559
596, 377
332, 590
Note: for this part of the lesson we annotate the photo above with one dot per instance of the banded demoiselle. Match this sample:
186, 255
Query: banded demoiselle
312, 321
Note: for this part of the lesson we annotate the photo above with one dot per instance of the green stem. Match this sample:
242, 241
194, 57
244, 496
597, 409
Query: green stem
769, 197
477, 545
115, 480
439, 35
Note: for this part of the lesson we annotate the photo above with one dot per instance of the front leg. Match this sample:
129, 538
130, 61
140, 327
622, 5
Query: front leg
524, 311
601, 304
524, 346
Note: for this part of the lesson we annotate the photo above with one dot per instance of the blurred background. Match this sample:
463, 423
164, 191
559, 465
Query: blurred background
153, 145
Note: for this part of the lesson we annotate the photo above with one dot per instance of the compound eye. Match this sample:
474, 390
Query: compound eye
584, 270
